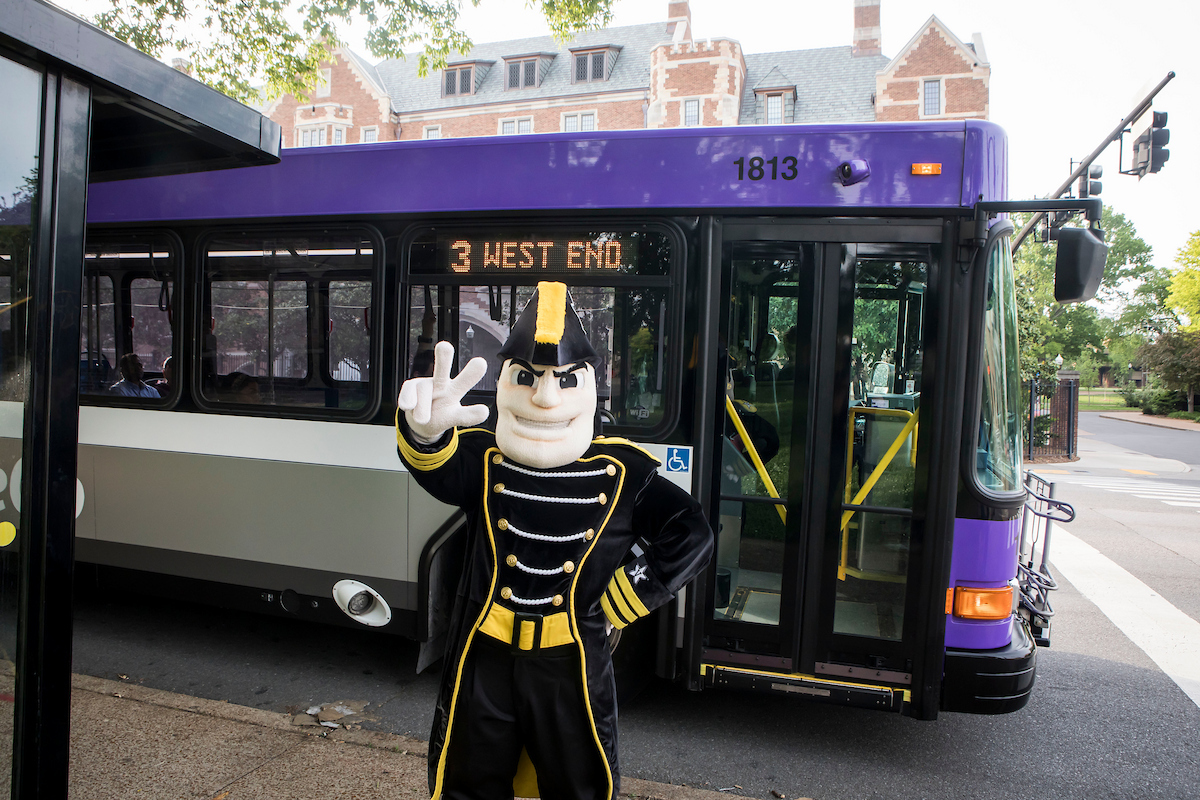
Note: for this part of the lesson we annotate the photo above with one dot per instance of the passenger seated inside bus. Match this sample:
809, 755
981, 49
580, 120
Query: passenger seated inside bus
163, 385
131, 384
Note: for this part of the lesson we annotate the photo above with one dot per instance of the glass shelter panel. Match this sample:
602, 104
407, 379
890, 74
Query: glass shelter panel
19, 143
886, 354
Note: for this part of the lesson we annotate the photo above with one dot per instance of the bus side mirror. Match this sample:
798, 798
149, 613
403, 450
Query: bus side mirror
1079, 265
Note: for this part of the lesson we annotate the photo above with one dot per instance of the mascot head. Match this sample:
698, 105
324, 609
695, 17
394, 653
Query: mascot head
546, 393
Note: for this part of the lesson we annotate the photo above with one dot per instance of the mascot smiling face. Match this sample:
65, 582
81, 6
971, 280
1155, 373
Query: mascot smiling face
546, 394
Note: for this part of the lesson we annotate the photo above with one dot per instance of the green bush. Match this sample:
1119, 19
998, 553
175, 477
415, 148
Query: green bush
1132, 395
1194, 416
1161, 402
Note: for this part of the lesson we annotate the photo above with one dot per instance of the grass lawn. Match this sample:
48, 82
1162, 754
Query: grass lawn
1102, 400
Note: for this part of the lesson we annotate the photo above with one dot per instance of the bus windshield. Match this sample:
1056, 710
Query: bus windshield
998, 459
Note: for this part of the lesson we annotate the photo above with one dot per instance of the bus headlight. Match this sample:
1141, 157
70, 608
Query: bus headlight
362, 603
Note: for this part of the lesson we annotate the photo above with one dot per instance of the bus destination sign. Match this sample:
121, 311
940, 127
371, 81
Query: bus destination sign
579, 252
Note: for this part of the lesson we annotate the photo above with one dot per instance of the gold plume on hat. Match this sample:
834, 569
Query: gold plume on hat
551, 311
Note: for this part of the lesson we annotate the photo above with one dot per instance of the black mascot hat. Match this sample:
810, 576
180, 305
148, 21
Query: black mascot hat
548, 331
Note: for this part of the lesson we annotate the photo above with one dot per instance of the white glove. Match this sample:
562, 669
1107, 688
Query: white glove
433, 406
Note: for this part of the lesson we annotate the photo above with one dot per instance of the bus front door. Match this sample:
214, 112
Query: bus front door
813, 481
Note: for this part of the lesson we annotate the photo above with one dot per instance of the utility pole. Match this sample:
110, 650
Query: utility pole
1116, 134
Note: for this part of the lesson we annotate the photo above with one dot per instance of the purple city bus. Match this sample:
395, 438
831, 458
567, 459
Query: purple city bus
812, 327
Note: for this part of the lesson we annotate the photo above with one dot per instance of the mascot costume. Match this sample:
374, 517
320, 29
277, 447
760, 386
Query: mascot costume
527, 705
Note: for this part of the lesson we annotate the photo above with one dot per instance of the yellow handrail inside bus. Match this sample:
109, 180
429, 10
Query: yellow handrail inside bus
752, 451
909, 428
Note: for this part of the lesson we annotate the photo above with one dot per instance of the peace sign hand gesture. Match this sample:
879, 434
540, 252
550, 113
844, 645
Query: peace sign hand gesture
433, 406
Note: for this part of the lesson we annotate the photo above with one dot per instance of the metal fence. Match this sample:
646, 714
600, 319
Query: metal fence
1052, 424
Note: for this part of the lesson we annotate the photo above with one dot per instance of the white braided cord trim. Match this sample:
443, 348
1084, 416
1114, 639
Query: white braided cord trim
541, 537
544, 601
578, 501
536, 571
531, 473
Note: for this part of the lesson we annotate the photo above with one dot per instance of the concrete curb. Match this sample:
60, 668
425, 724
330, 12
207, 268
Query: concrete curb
1157, 422
402, 746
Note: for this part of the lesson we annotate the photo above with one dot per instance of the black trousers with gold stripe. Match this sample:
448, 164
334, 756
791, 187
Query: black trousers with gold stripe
509, 701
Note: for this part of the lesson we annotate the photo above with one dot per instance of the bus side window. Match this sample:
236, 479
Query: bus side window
127, 319
288, 320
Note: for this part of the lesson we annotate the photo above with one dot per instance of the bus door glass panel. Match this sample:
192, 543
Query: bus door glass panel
287, 317
128, 316
886, 353
760, 382
998, 459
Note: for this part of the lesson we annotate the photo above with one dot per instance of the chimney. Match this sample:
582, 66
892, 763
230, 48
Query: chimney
679, 20
866, 28
182, 65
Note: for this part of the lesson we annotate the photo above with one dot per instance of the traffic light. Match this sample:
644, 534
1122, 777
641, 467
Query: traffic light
1089, 185
1159, 137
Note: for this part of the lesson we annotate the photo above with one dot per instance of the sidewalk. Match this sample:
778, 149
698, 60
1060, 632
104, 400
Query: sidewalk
129, 741
1146, 419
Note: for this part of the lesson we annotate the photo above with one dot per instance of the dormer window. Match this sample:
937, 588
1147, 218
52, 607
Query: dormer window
459, 81
522, 74
774, 109
525, 72
463, 78
592, 64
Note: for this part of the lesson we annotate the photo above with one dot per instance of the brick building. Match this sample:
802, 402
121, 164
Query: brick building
641, 76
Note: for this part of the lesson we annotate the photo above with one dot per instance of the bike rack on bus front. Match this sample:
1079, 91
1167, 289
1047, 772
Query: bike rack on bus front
1042, 509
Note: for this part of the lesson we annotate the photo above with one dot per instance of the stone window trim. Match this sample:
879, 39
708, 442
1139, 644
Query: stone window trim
930, 85
431, 132
324, 85
593, 64
686, 107
368, 133
514, 125
312, 135
579, 121
525, 71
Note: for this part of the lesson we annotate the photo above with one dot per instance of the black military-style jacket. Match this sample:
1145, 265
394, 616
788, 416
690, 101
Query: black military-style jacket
548, 560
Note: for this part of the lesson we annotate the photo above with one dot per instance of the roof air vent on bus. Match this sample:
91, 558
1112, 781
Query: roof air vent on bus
853, 171
362, 603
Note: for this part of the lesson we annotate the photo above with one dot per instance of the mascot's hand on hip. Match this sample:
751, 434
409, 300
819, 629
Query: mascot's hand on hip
433, 406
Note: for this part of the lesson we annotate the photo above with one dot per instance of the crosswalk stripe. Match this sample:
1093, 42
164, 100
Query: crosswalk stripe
1163, 632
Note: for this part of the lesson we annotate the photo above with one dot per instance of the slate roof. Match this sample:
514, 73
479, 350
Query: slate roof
411, 93
832, 85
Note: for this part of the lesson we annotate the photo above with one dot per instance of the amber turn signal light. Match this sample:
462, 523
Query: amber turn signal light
927, 169
972, 603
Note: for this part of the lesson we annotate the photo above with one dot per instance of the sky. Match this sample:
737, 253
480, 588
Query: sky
1064, 73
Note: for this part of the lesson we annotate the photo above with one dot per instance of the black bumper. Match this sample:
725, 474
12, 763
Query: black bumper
991, 681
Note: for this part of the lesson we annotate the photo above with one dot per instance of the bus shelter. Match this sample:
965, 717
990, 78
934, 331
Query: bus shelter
81, 108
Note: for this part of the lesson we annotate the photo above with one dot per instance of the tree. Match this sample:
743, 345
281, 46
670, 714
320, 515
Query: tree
232, 46
1184, 294
1132, 287
1175, 359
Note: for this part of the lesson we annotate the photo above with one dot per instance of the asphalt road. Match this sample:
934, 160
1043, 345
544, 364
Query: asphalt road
1105, 721
1154, 441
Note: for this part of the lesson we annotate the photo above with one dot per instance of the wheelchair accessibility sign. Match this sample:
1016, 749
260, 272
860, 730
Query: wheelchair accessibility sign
678, 459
